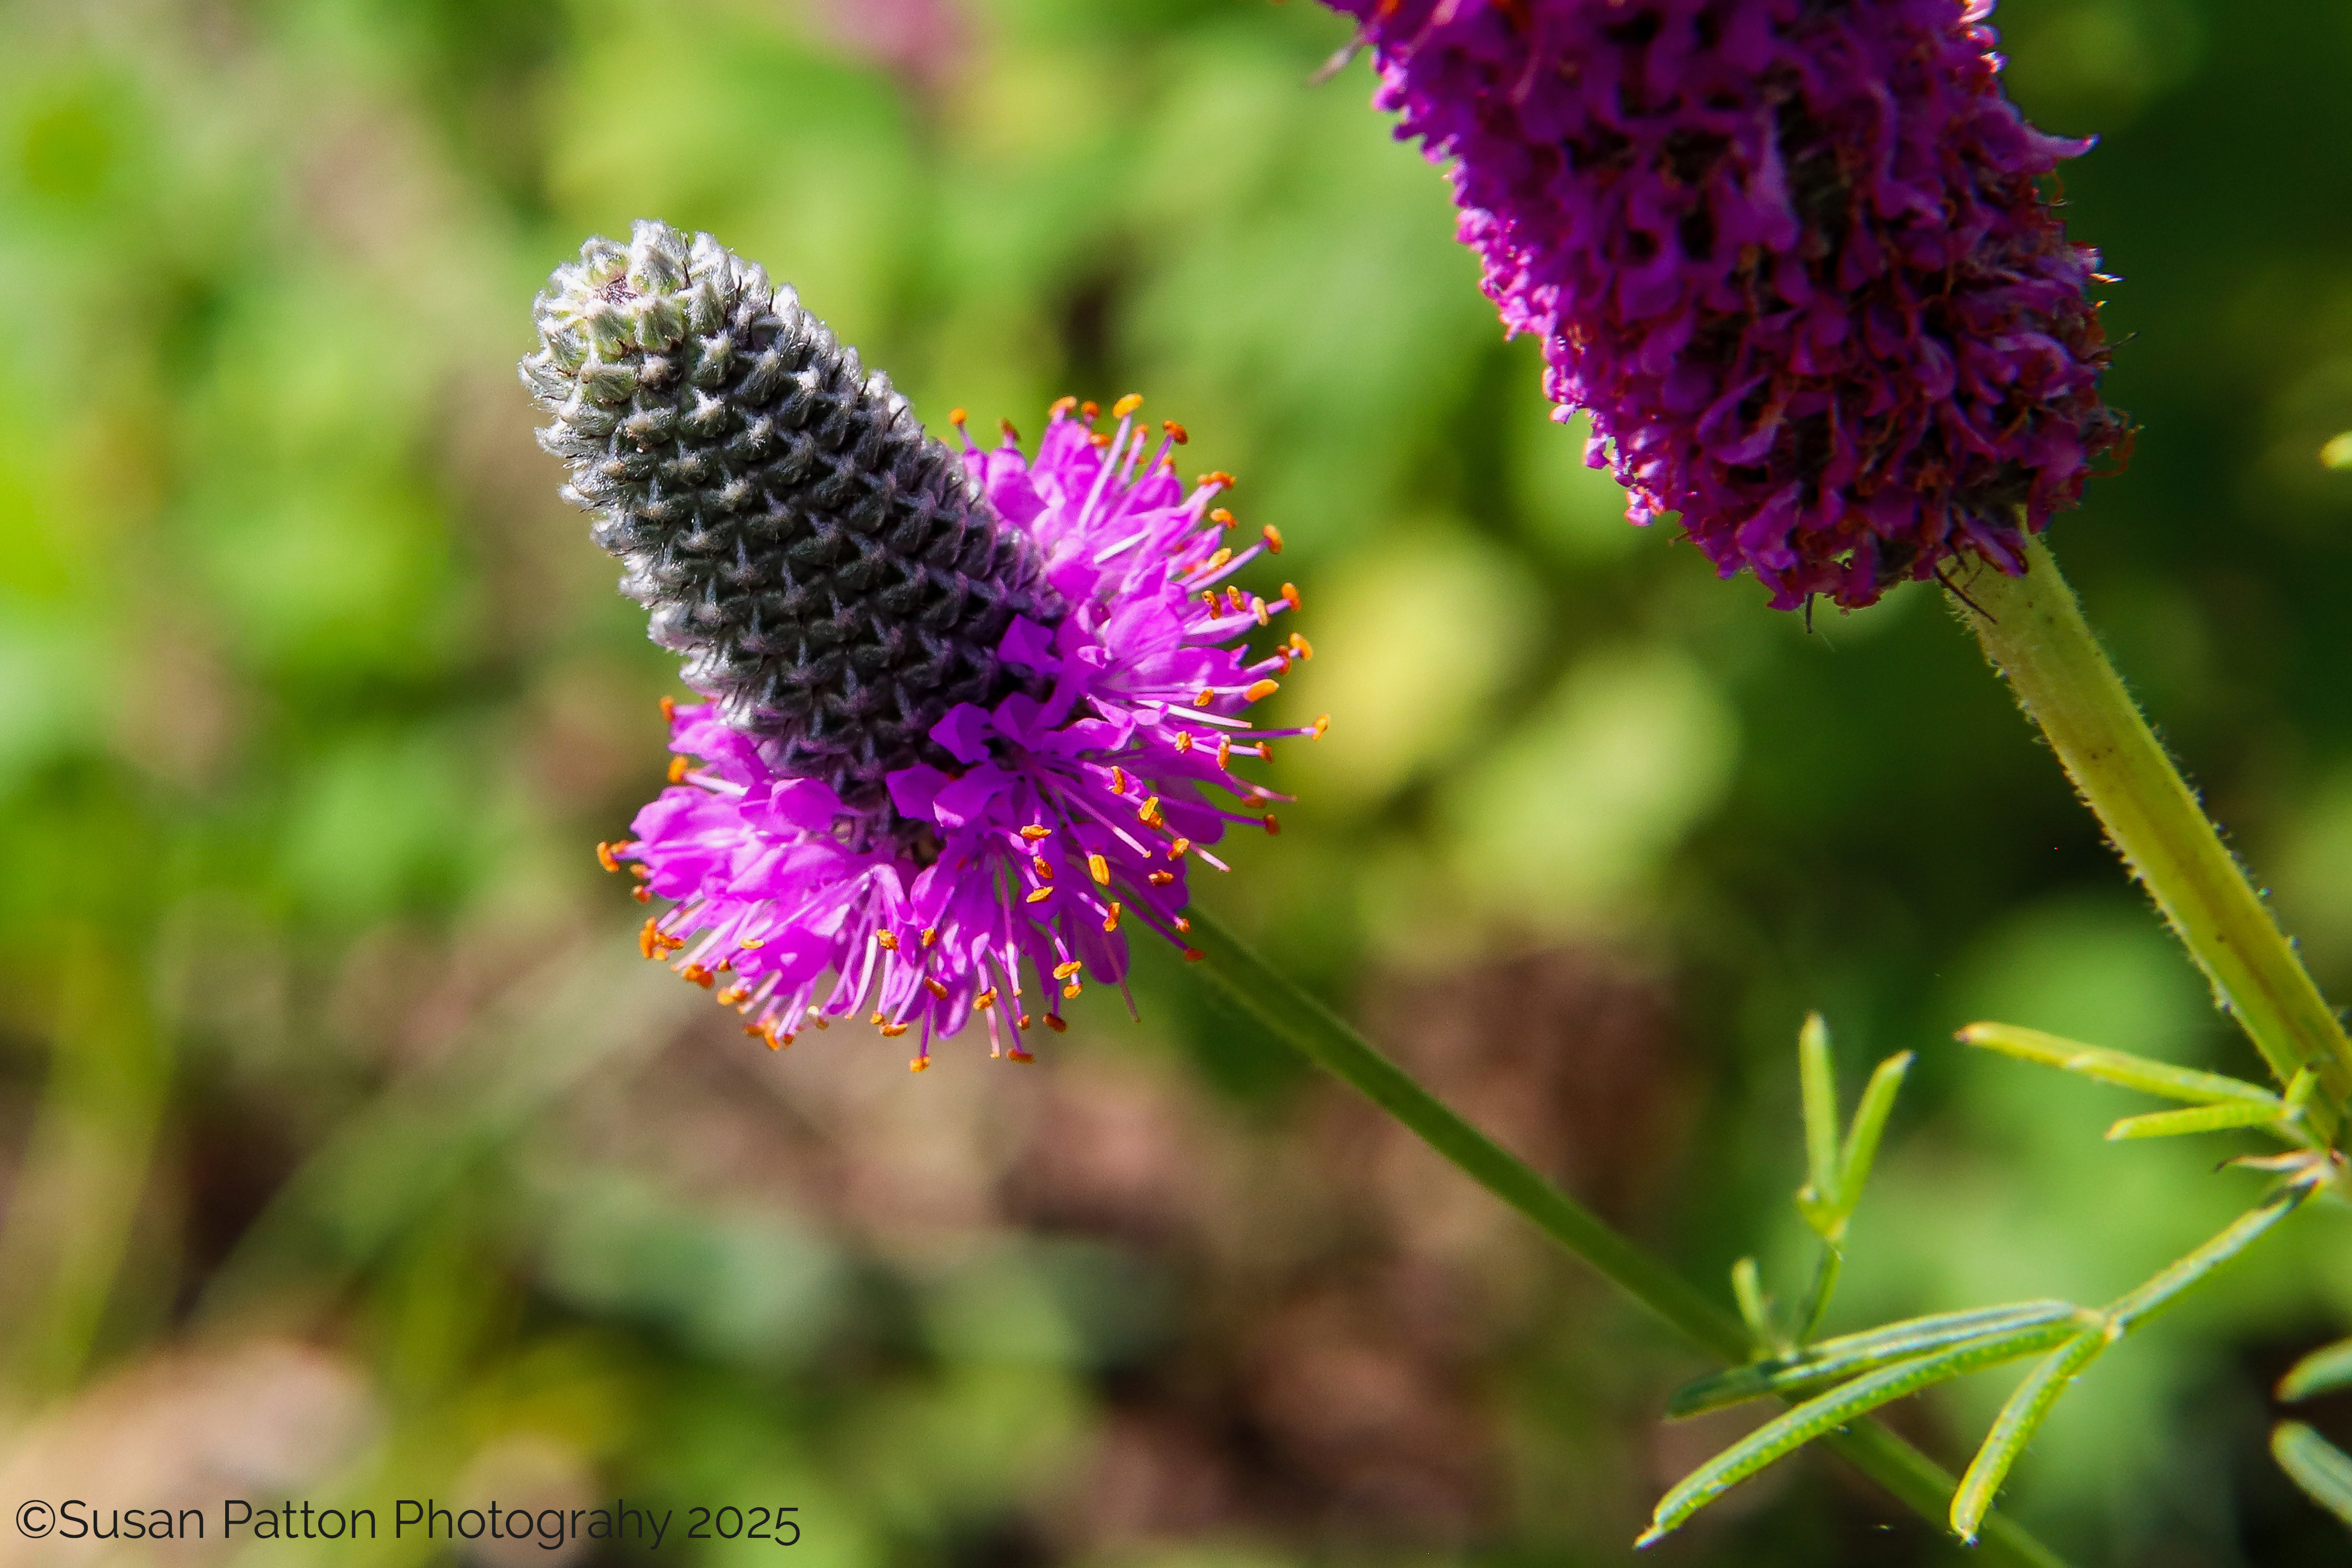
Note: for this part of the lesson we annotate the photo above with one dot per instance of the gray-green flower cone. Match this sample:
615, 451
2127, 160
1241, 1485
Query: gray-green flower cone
833, 575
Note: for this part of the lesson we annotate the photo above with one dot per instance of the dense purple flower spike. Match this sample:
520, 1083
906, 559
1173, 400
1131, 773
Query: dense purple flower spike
1790, 254
1060, 819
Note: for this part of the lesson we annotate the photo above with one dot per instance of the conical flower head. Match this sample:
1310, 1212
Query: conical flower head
976, 713
1791, 256
832, 573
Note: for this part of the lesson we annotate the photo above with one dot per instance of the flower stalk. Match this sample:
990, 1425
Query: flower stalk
2032, 630
1249, 983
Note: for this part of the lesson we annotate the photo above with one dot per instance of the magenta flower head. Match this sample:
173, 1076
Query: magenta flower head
1794, 258
971, 714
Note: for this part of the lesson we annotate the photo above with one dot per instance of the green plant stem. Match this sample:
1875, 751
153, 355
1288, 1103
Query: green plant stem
2033, 632
1248, 982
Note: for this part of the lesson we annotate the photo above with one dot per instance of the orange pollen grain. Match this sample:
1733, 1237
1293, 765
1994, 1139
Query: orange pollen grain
1261, 689
1127, 405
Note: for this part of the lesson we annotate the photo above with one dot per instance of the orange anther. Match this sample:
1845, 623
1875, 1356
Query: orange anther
604, 856
1183, 926
1222, 518
1089, 410
1127, 405
1322, 724
930, 935
931, 985
642, 893
1020, 1023
1118, 780
1161, 878
1064, 971
889, 941
733, 994
1218, 477
1100, 439
1272, 826
1110, 921
1149, 812
1183, 740
1259, 610
1044, 868
1224, 753
1061, 406
1301, 646
1054, 1022
1073, 989
1009, 433
1290, 592
1261, 689
1175, 432
1205, 695
1219, 558
669, 709
1274, 539
1194, 955
1034, 831
1100, 869
649, 936
677, 766
1038, 896
1016, 1053
985, 1000
1176, 850
956, 417
698, 975
751, 943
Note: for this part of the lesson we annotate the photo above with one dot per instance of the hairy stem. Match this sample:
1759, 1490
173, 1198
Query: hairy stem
1246, 981
2033, 632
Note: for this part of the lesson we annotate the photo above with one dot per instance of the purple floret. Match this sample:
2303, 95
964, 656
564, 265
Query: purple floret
1792, 256
1068, 816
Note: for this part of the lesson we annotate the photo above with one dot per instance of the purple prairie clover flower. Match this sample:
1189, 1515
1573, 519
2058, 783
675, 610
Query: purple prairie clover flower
1791, 255
973, 714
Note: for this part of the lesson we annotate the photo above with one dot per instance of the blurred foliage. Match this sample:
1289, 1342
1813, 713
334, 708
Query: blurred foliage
346, 1140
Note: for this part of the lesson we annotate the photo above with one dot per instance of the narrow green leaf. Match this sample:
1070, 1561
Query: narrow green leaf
2318, 1466
1818, 1079
2324, 1371
2196, 1119
2130, 1308
1792, 1430
1755, 1308
2019, 1420
1850, 1354
1817, 1294
1869, 1124
2119, 1068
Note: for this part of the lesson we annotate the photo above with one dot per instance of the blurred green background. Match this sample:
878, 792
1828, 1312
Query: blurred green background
348, 1152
